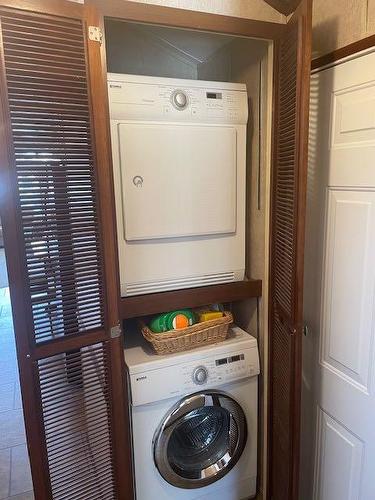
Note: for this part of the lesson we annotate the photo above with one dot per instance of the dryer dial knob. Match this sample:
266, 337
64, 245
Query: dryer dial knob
179, 99
200, 375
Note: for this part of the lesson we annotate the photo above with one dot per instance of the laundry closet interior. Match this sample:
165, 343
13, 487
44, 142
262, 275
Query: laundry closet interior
164, 52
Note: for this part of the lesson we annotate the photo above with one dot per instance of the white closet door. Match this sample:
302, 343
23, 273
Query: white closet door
340, 284
345, 395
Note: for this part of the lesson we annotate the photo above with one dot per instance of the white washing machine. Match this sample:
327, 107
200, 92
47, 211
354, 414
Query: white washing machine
194, 420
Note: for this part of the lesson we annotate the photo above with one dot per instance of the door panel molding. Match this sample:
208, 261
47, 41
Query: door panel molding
348, 295
338, 451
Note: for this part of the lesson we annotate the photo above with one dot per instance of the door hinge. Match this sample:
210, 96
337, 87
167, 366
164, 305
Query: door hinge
96, 34
115, 332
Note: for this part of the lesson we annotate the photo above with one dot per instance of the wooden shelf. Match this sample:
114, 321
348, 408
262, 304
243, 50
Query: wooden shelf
142, 305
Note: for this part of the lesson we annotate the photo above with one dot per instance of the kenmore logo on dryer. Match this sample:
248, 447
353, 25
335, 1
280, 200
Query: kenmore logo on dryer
141, 378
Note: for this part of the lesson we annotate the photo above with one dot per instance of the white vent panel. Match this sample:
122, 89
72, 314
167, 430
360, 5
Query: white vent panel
190, 282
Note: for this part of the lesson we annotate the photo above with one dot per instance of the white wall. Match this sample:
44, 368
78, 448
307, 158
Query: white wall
252, 9
130, 49
337, 23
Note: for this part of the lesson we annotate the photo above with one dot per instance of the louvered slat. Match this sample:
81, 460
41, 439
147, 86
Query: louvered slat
76, 405
282, 363
286, 175
48, 98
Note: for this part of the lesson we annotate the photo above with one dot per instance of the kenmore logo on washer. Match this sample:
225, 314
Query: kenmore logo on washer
141, 378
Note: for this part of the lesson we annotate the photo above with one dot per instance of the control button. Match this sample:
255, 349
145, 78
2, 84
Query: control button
200, 375
179, 99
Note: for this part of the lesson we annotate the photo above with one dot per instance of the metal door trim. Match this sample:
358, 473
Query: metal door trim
177, 414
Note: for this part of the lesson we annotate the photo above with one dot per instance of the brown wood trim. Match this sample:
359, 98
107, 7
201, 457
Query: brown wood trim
305, 11
142, 305
188, 19
303, 17
274, 146
53, 7
101, 127
72, 343
283, 7
348, 50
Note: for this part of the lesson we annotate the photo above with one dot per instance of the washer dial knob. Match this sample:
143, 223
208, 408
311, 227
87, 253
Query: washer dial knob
200, 375
179, 99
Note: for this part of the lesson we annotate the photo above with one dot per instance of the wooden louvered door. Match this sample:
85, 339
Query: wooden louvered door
57, 215
291, 89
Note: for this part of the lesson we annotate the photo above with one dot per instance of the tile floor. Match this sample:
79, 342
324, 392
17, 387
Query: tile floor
15, 478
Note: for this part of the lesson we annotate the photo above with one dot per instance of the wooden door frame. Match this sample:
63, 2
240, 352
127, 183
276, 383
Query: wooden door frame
97, 79
127, 11
327, 60
171, 17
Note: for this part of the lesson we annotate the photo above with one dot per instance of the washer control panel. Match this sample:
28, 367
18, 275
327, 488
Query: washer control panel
217, 370
198, 373
221, 369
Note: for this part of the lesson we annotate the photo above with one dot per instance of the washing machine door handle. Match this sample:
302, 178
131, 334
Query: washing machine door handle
183, 408
190, 404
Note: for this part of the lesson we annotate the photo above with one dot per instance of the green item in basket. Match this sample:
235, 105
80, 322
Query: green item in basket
173, 320
158, 324
180, 319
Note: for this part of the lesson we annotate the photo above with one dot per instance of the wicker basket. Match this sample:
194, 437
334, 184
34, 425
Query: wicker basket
207, 332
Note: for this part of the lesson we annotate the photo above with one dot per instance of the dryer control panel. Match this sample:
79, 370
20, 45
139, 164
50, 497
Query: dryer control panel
166, 99
189, 377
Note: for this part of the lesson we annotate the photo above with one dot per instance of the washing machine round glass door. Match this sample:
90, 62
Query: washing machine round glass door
200, 439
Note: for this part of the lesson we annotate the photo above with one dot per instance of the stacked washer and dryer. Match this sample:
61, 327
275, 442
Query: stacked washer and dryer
179, 158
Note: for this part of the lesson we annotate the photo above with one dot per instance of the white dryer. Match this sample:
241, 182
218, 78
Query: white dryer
194, 421
179, 164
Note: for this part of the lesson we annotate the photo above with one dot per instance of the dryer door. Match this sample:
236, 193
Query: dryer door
200, 440
178, 180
